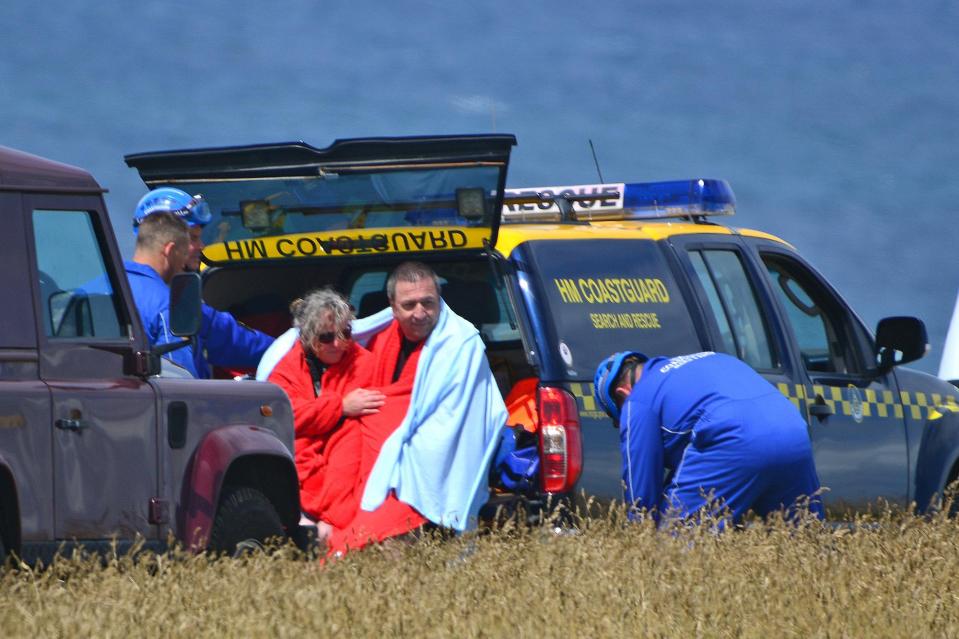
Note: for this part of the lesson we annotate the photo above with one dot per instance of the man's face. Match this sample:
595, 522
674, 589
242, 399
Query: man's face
196, 248
416, 306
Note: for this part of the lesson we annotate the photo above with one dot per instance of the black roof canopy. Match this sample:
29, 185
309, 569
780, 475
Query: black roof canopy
300, 158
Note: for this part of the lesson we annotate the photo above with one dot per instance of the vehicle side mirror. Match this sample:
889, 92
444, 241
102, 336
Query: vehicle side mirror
69, 314
185, 305
900, 340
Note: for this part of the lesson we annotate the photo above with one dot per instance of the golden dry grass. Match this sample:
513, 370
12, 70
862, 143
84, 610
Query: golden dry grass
888, 576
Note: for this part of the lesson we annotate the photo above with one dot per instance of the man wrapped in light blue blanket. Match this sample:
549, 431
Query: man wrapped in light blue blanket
437, 460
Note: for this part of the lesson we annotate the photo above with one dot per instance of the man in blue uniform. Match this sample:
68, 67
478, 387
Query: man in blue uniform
222, 340
162, 249
705, 430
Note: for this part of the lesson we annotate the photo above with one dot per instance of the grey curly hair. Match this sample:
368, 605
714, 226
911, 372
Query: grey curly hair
310, 313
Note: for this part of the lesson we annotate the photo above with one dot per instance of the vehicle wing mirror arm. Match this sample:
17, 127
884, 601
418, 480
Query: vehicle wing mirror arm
886, 359
163, 349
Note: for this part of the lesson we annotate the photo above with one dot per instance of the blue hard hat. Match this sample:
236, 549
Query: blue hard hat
606, 374
190, 208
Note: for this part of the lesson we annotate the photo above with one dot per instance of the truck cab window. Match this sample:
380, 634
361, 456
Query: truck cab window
77, 298
824, 345
732, 301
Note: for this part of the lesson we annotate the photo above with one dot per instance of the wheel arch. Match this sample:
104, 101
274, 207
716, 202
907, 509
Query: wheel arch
236, 455
937, 463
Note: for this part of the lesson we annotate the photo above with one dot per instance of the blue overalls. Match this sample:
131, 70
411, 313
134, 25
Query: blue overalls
718, 428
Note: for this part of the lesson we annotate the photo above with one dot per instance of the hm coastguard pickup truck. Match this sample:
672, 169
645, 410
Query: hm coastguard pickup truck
558, 278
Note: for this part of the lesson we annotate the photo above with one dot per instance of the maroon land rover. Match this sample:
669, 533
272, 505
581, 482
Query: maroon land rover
95, 444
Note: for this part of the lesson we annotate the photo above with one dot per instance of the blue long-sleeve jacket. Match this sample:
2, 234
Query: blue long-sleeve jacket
152, 298
225, 342
700, 403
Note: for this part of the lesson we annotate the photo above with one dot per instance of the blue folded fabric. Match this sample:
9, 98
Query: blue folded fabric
515, 468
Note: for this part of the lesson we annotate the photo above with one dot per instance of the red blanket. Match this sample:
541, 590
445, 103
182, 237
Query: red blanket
327, 448
393, 517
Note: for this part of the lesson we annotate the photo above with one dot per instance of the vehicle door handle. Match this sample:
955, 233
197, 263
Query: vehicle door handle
820, 409
75, 425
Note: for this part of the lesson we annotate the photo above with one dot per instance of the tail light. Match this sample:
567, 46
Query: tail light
560, 440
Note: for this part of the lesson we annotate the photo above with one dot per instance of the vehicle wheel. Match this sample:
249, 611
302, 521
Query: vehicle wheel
245, 520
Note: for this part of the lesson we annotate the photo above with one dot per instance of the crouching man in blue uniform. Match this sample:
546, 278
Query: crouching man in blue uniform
705, 431
221, 340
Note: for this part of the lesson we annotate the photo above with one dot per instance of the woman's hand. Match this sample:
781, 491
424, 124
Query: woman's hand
361, 401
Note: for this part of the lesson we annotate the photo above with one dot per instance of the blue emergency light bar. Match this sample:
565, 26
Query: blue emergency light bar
692, 199
681, 197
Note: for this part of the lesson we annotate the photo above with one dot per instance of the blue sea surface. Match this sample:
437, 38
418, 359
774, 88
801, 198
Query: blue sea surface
837, 123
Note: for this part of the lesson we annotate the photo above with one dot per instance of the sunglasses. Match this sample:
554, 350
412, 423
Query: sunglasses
327, 338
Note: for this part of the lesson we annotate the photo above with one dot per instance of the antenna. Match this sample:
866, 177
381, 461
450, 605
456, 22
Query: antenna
593, 149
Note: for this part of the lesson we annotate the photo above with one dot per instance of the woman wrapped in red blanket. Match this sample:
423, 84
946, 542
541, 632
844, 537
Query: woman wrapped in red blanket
327, 377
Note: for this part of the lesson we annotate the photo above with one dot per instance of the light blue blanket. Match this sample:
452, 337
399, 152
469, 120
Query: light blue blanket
280, 347
438, 459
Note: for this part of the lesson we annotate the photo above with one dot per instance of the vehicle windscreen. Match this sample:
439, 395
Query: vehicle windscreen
605, 296
253, 208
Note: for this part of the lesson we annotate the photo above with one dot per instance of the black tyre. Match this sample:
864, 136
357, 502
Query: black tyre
245, 520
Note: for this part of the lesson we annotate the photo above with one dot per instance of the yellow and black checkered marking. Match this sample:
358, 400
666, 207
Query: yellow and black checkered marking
875, 404
796, 393
930, 405
586, 401
878, 404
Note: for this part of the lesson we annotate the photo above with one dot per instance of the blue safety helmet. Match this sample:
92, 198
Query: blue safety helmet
190, 208
606, 374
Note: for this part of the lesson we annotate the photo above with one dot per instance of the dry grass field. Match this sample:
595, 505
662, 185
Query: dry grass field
888, 575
